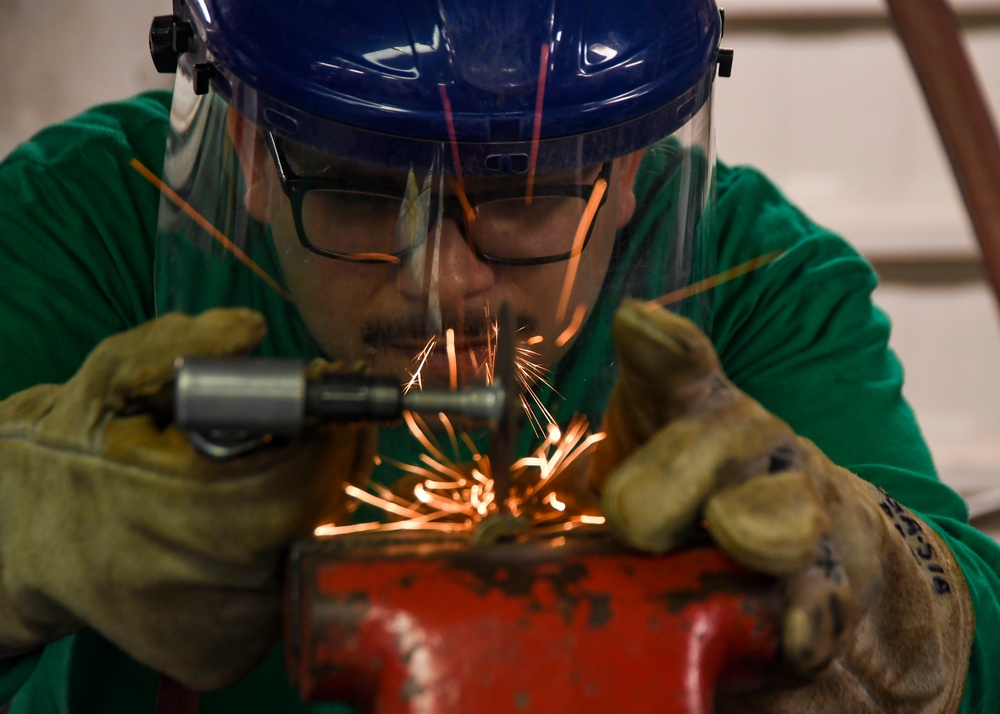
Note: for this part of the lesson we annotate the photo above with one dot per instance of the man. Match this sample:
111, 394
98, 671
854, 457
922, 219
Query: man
374, 184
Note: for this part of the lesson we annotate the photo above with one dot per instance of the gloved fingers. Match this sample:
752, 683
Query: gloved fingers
664, 348
205, 637
653, 498
821, 610
319, 367
136, 367
140, 361
232, 508
669, 367
770, 523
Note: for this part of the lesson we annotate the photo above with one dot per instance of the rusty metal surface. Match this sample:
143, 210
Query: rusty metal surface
409, 624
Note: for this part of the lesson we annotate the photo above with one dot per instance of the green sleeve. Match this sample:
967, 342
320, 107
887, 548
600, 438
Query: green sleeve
77, 234
77, 224
802, 336
75, 238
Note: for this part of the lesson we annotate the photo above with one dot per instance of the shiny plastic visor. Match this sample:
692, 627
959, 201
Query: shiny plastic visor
406, 267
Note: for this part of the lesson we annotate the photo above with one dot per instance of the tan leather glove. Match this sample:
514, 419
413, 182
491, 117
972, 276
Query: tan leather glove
109, 521
877, 615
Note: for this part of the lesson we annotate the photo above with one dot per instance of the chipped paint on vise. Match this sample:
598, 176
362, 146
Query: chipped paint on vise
406, 623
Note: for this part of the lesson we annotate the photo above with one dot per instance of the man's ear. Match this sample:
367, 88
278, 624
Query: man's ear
627, 169
263, 190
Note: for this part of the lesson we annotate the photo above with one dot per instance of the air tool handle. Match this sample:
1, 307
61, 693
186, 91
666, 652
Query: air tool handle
263, 395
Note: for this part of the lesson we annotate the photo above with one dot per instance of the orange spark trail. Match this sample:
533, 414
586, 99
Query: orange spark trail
387, 506
452, 360
449, 121
600, 186
414, 524
456, 186
456, 497
209, 228
380, 257
574, 325
718, 279
420, 359
543, 68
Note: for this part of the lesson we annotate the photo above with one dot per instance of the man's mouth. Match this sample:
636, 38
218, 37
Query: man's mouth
460, 353
441, 356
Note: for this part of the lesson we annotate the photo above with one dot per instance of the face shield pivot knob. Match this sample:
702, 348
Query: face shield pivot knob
725, 60
204, 72
168, 38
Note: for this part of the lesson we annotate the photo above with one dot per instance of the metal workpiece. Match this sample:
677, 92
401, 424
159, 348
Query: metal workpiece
259, 396
407, 622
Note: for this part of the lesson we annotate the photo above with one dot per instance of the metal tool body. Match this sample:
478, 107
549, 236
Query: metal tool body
273, 396
407, 623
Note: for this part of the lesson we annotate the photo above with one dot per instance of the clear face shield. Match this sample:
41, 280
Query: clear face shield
405, 264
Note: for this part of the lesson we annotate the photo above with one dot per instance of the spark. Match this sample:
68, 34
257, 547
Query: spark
449, 121
554, 502
574, 325
528, 371
536, 131
332, 530
715, 280
451, 431
455, 497
452, 361
589, 213
419, 360
467, 208
419, 430
372, 258
206, 225
386, 505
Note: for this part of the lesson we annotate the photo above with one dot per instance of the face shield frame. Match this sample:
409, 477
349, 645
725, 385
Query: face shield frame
213, 250
465, 205
203, 169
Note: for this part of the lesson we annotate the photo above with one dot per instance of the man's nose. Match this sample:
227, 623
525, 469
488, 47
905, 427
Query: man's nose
446, 266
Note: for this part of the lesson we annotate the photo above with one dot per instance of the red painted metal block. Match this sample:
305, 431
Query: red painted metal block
414, 623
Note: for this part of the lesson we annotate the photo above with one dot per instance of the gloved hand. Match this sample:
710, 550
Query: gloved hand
108, 520
877, 615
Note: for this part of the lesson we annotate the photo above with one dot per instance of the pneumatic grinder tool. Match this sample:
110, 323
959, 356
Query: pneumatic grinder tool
231, 405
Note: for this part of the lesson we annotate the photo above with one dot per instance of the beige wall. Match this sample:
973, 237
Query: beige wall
59, 57
838, 121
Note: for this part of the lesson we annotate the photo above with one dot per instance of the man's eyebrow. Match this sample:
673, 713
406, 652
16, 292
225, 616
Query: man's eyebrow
320, 166
313, 164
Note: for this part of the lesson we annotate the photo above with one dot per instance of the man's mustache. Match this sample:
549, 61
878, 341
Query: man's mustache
414, 326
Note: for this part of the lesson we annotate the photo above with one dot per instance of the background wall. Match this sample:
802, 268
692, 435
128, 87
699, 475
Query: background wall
60, 57
827, 107
832, 112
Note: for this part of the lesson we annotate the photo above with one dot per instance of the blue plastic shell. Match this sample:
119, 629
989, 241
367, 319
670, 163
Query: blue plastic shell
371, 73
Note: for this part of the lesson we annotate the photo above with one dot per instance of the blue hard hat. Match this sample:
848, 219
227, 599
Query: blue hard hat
494, 77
